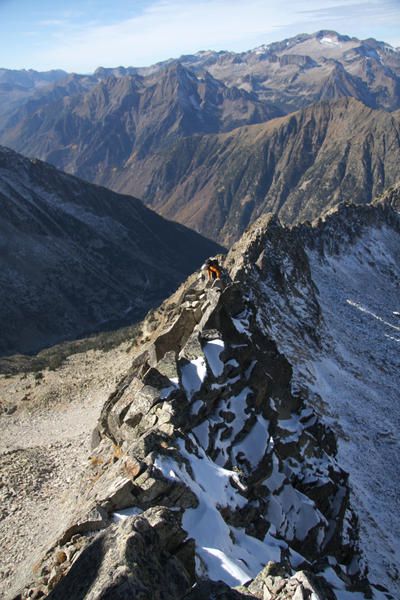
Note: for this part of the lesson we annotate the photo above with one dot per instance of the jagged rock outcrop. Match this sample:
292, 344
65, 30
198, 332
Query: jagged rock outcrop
391, 196
276, 582
145, 557
213, 461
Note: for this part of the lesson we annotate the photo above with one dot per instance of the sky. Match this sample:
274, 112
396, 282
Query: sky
82, 35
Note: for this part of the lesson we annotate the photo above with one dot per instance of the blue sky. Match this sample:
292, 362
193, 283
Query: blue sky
82, 35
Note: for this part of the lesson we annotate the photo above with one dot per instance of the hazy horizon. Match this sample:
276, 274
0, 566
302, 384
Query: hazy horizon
81, 37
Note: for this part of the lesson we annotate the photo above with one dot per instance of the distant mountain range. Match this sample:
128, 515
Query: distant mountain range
16, 87
177, 134
305, 69
88, 129
76, 258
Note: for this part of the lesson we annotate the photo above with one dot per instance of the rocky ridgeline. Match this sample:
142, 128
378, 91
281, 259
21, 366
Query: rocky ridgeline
209, 477
344, 225
273, 262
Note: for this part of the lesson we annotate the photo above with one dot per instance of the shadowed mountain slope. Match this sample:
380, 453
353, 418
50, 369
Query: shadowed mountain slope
75, 257
329, 296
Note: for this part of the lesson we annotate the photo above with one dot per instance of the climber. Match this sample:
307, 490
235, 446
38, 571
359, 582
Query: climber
213, 269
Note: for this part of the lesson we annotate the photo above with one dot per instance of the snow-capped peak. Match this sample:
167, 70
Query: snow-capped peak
330, 41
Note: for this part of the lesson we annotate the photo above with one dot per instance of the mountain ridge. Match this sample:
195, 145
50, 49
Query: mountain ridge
330, 296
213, 425
102, 126
298, 166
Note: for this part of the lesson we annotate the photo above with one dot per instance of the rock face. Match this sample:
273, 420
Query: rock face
213, 473
391, 196
75, 257
139, 558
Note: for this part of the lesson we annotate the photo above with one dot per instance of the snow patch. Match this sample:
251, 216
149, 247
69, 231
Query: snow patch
330, 41
226, 553
241, 322
370, 312
202, 434
124, 513
293, 513
193, 375
255, 444
212, 351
